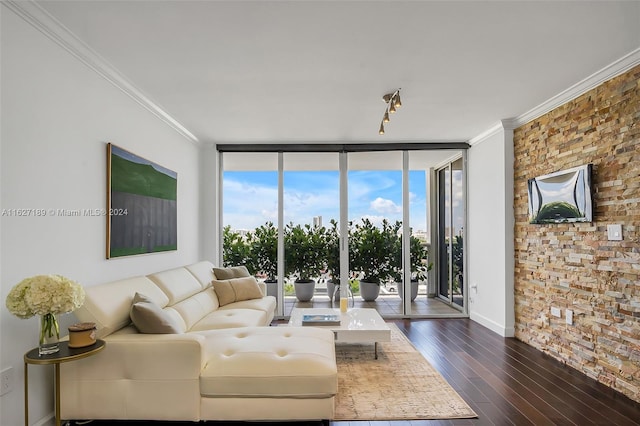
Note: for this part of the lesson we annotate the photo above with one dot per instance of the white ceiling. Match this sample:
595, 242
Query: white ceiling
315, 71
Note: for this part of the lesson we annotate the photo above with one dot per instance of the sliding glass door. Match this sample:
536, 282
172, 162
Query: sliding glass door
451, 219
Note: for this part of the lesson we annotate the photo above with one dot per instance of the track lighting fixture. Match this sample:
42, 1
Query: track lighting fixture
393, 103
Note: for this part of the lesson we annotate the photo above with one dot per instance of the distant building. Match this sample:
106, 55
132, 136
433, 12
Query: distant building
317, 221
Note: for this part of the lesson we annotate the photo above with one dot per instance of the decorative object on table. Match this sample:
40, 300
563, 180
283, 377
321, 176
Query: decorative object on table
332, 247
137, 186
344, 305
321, 319
47, 296
82, 334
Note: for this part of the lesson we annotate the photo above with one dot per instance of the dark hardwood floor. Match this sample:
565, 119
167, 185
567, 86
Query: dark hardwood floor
505, 381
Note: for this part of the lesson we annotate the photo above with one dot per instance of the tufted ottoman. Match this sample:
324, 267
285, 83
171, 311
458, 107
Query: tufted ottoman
256, 366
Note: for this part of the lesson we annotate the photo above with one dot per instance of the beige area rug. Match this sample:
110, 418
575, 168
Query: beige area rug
399, 385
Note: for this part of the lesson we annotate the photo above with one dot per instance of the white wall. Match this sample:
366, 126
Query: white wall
57, 116
210, 222
490, 231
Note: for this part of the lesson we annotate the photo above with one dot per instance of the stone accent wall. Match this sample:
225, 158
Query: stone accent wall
574, 266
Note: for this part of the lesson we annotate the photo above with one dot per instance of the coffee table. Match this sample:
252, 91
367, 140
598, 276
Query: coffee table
357, 325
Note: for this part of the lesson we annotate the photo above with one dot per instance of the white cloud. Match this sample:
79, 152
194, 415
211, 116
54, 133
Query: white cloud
249, 205
384, 206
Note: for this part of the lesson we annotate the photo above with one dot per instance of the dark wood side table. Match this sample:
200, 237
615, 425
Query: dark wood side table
65, 354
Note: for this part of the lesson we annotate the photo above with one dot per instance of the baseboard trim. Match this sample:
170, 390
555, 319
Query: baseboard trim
492, 325
48, 420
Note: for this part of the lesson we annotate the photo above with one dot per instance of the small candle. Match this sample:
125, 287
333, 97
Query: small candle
343, 304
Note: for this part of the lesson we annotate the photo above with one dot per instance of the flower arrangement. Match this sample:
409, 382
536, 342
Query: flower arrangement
47, 296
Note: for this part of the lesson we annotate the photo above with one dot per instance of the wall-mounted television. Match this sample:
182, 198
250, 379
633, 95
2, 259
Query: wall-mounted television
563, 196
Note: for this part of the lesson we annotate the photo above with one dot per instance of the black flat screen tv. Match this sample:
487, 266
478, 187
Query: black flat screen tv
560, 197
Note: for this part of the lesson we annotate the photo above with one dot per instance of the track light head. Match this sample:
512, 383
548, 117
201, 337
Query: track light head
396, 100
381, 131
386, 117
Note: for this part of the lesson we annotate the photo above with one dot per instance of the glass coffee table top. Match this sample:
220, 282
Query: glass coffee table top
357, 325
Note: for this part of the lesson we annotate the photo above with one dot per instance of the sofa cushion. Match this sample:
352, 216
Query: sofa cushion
266, 304
203, 271
228, 273
109, 304
269, 362
178, 284
232, 318
196, 307
236, 289
150, 318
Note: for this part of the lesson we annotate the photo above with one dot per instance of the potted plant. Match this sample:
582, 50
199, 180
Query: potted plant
332, 253
304, 257
236, 250
458, 264
264, 248
372, 254
419, 269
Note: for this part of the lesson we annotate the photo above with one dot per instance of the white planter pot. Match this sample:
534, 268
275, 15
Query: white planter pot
272, 288
414, 289
305, 290
369, 291
331, 288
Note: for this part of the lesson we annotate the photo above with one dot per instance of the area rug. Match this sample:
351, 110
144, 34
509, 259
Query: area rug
399, 385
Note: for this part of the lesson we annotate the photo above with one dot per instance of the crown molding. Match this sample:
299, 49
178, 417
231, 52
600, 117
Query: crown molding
500, 126
594, 80
612, 70
44, 22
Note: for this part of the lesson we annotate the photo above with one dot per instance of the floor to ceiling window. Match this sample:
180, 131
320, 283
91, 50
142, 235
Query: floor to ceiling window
420, 237
375, 215
311, 205
250, 214
281, 216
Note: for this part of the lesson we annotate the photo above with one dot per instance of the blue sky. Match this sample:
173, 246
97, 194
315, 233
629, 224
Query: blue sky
250, 198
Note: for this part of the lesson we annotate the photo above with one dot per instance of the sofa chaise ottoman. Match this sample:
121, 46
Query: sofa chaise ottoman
222, 363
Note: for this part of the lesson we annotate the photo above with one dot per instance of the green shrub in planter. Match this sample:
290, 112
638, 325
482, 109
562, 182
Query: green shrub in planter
304, 257
373, 253
236, 250
264, 250
372, 250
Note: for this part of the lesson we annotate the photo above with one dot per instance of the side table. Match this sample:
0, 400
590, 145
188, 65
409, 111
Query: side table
65, 354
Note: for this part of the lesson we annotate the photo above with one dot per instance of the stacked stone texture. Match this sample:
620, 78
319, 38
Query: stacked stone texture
574, 266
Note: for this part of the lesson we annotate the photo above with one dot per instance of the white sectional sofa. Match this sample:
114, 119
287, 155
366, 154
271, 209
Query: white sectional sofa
224, 363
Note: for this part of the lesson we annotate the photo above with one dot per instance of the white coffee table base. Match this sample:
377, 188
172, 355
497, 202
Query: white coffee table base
357, 325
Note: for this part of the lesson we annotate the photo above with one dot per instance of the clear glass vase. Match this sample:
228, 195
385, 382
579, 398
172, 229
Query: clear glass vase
49, 334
